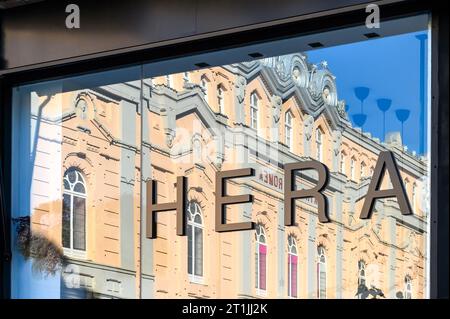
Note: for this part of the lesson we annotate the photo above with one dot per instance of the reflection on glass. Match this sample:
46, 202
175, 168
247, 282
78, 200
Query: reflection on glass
78, 201
87, 145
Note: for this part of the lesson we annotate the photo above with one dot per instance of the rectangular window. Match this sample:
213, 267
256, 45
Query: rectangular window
262, 267
321, 281
254, 111
292, 276
198, 252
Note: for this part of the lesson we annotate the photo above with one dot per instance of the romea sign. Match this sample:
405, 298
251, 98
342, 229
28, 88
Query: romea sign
385, 164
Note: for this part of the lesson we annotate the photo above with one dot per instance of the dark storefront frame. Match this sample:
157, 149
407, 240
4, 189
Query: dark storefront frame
252, 34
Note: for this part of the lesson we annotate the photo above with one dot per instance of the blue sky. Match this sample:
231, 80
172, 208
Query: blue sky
390, 67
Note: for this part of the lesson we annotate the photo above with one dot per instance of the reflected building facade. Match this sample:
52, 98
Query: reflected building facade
93, 149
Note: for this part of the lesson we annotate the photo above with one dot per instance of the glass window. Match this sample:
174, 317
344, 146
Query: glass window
254, 105
352, 169
319, 145
195, 242
362, 288
260, 260
204, 85
362, 172
292, 267
408, 287
78, 201
321, 273
288, 129
220, 99
86, 147
74, 211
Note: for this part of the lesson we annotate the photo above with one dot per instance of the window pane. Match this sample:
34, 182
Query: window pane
294, 277
262, 270
82, 194
79, 188
79, 223
190, 248
257, 284
346, 103
66, 221
198, 251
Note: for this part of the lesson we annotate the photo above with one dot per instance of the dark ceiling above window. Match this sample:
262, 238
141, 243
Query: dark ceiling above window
6, 4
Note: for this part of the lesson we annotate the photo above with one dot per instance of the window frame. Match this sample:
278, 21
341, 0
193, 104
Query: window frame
319, 144
71, 251
288, 130
254, 111
193, 277
260, 231
439, 204
321, 264
221, 98
292, 244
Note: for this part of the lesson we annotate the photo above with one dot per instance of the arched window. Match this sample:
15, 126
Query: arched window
74, 211
319, 144
195, 241
292, 267
408, 288
321, 273
220, 99
352, 168
362, 172
254, 104
260, 259
342, 163
288, 129
371, 171
361, 275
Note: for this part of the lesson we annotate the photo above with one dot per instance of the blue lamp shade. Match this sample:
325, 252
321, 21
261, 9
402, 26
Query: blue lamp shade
359, 119
362, 92
422, 36
402, 114
384, 104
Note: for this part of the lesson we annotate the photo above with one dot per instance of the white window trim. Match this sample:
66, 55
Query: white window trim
193, 278
342, 163
259, 291
70, 251
254, 108
319, 262
75, 253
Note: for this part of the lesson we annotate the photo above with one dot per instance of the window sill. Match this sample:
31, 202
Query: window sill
196, 280
75, 254
261, 292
